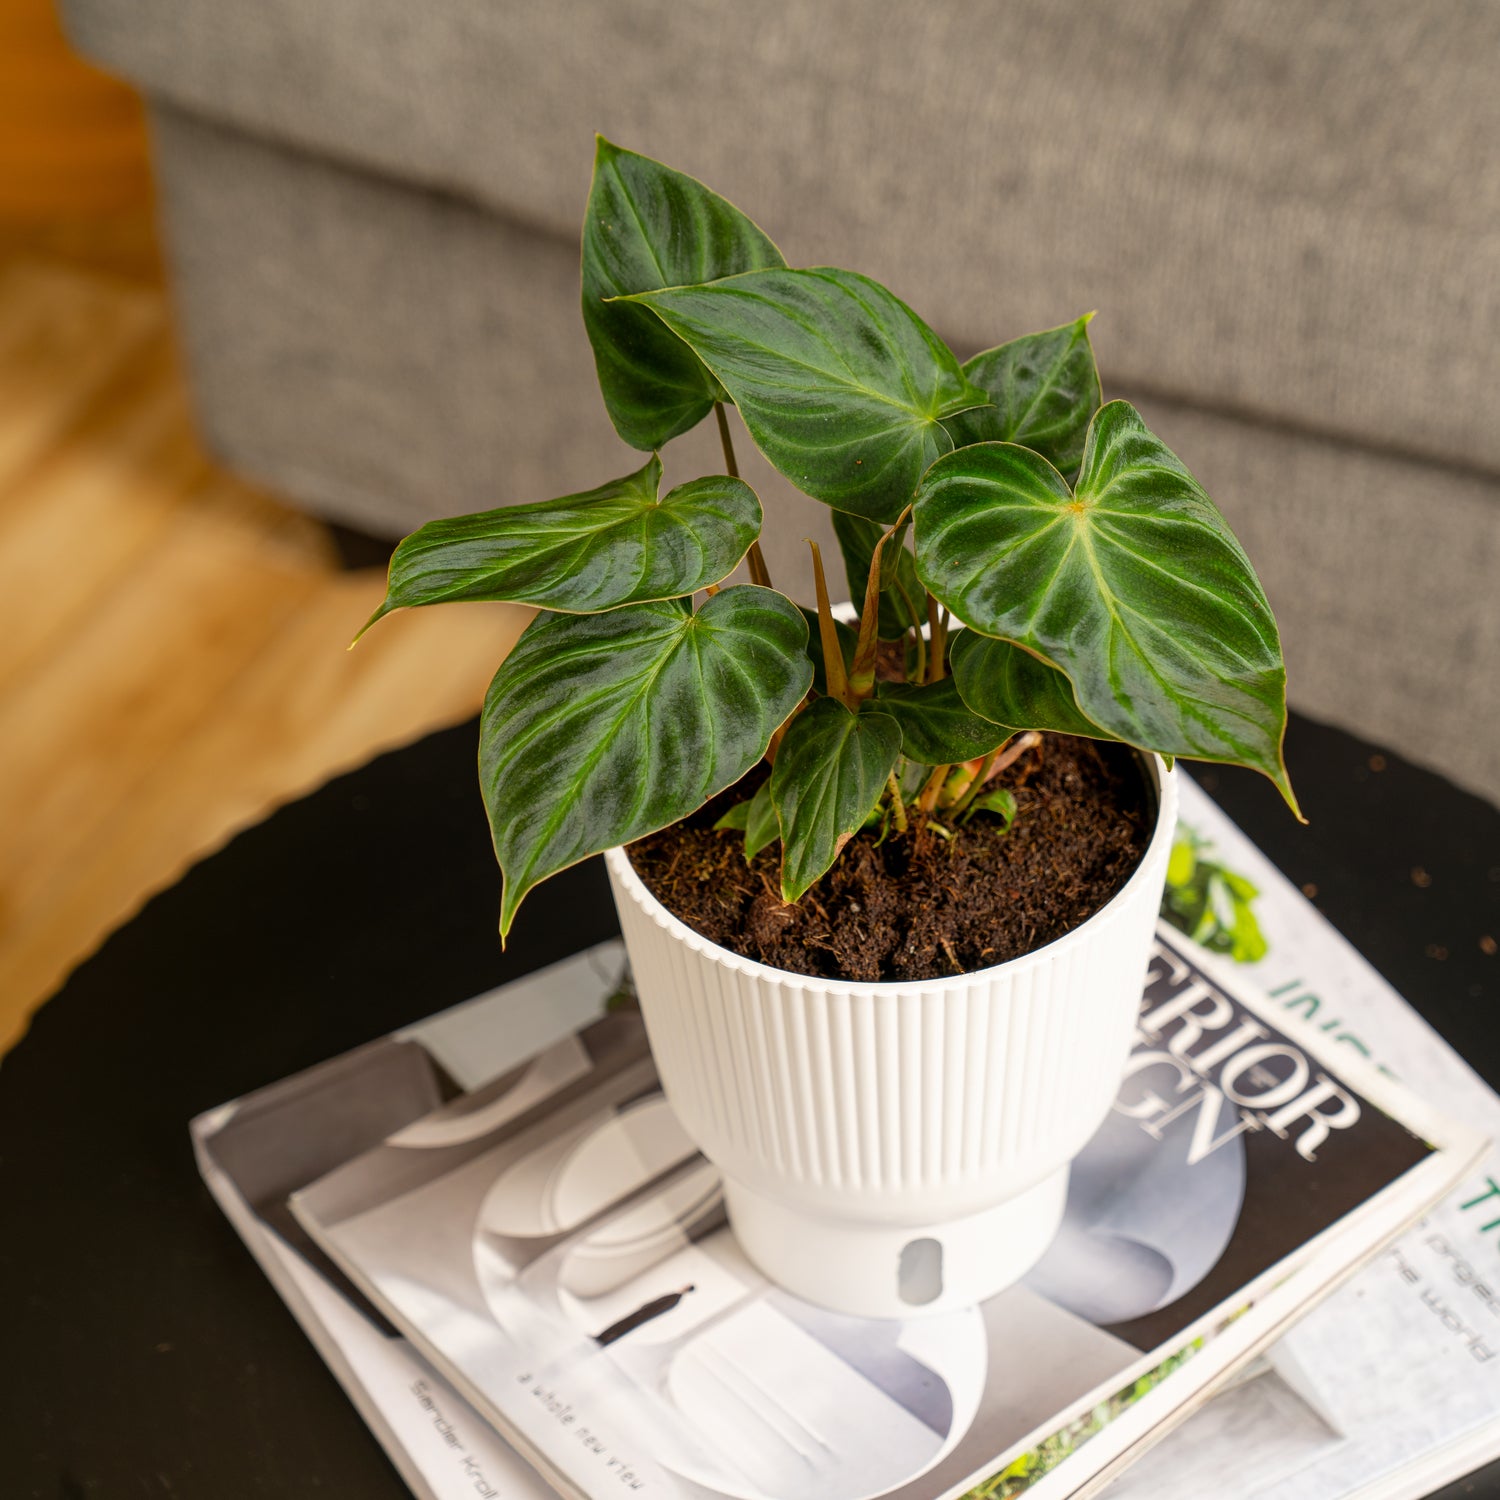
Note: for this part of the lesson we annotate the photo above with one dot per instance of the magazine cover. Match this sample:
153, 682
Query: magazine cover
554, 1242
1391, 1388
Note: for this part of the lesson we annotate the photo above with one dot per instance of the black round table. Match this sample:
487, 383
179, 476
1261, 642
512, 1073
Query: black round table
145, 1355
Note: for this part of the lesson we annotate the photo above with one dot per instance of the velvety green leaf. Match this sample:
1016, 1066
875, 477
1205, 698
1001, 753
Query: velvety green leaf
1133, 586
857, 539
761, 827
615, 545
648, 227
829, 773
937, 726
1001, 682
848, 643
1001, 802
599, 729
1044, 389
735, 818
840, 384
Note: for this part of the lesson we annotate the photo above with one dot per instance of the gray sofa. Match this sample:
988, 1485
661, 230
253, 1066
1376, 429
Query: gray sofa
1287, 214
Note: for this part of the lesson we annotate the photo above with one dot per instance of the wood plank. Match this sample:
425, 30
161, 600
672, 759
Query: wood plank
92, 510
172, 640
126, 688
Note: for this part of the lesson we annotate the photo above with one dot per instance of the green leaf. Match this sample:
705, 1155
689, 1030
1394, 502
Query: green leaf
755, 817
1006, 685
1045, 388
1001, 802
648, 227
599, 729
848, 642
857, 538
937, 726
1132, 585
840, 384
761, 827
829, 773
584, 553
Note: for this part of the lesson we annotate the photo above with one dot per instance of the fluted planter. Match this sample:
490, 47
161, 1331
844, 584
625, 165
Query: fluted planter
894, 1148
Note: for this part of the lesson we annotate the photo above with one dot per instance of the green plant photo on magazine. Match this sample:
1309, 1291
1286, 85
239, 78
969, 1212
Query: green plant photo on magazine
1024, 557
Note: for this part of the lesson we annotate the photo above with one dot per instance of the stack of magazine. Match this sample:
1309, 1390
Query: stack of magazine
1270, 1280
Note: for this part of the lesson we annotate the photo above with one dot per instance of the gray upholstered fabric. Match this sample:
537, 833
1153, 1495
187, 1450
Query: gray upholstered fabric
1285, 209
1288, 216
387, 355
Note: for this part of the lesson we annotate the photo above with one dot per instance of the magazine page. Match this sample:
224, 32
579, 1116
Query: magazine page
1392, 1386
255, 1151
570, 1266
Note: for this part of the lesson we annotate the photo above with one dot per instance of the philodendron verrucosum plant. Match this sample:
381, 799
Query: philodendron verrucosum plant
1041, 560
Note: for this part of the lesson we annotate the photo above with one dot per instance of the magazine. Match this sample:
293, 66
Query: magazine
554, 1243
440, 1443
1392, 1388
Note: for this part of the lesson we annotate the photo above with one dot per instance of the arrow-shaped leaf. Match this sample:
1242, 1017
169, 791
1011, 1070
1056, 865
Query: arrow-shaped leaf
842, 386
647, 227
828, 775
1009, 686
937, 727
1044, 389
1132, 585
584, 553
599, 729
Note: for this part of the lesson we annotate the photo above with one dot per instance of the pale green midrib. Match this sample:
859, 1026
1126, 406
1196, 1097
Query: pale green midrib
849, 380
1234, 606
1172, 696
541, 660
640, 226
560, 813
573, 546
823, 791
1044, 386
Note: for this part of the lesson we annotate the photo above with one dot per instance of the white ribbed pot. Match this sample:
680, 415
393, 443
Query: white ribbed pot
889, 1149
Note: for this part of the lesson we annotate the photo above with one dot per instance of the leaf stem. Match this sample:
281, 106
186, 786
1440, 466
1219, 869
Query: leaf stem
755, 558
898, 803
981, 775
930, 789
834, 676
911, 614
726, 441
862, 673
937, 628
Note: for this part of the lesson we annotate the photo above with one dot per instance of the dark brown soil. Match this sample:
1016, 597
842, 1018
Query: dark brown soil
920, 906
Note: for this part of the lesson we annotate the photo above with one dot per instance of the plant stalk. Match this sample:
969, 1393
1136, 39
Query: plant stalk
930, 790
937, 628
911, 614
834, 675
755, 558
862, 673
981, 775
898, 803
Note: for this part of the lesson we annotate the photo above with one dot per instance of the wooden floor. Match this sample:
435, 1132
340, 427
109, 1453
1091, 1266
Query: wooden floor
172, 642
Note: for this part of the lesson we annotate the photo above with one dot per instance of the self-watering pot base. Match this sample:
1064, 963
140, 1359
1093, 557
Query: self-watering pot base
884, 1270
857, 1122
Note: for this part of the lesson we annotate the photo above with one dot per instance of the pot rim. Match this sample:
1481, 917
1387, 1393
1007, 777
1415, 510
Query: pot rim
1158, 847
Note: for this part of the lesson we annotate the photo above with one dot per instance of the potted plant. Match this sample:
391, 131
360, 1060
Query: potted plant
1050, 609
